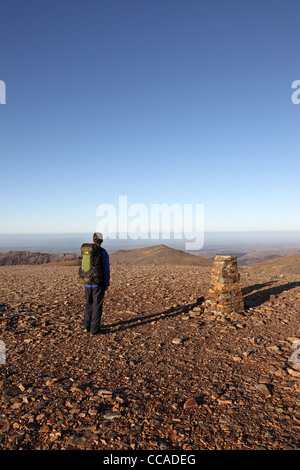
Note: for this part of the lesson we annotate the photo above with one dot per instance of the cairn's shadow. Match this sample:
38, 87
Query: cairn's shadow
247, 290
139, 320
261, 296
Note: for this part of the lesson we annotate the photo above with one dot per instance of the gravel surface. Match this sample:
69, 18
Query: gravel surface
166, 375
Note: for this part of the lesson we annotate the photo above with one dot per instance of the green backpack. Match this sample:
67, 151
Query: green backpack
91, 269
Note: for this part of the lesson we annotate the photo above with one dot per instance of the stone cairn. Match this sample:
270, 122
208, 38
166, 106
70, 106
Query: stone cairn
225, 293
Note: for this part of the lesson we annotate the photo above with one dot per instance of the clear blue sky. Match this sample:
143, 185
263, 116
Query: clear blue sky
164, 101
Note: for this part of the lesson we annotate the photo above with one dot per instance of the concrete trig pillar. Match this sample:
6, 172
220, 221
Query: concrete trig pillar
225, 293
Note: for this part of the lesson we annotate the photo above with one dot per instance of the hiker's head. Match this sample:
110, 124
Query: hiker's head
98, 238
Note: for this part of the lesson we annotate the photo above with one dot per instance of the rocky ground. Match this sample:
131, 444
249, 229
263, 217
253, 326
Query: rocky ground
165, 376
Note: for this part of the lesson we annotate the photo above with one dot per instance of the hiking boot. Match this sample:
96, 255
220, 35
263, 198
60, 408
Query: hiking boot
101, 331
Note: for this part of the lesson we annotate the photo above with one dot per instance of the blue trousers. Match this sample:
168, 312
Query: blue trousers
93, 308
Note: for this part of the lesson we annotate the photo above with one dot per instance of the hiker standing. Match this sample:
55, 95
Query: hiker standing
95, 274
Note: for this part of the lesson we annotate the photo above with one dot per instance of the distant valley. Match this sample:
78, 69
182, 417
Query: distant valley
250, 258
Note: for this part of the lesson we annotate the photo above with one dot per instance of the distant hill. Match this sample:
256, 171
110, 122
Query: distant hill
282, 264
157, 255
9, 258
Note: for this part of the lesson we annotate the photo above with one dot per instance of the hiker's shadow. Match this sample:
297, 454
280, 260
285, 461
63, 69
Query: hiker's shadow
142, 320
261, 296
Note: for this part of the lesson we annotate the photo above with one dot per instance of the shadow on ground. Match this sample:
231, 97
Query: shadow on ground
259, 297
254, 296
139, 320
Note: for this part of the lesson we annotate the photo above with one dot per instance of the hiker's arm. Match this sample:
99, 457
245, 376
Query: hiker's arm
105, 260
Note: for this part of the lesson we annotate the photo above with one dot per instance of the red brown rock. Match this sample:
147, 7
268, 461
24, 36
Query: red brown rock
190, 403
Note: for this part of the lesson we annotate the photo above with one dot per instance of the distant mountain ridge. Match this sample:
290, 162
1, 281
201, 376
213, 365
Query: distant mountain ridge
253, 257
265, 255
9, 258
156, 255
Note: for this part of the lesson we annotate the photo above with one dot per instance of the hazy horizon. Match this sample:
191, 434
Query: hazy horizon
71, 242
